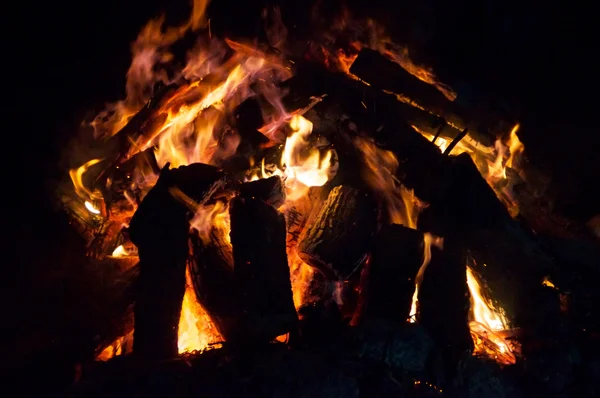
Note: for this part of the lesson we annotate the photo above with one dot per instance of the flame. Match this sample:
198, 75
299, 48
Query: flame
196, 330
192, 123
120, 251
548, 283
428, 241
91, 207
486, 324
515, 147
80, 189
496, 169
379, 172
372, 35
212, 216
492, 163
302, 165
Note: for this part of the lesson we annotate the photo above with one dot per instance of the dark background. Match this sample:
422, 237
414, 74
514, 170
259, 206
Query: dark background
67, 58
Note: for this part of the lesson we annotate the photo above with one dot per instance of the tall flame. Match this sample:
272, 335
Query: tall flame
428, 241
379, 173
486, 324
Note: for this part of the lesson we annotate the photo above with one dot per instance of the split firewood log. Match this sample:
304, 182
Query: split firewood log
159, 229
338, 240
261, 272
388, 281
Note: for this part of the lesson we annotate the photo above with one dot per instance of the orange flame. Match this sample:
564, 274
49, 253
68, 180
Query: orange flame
486, 324
381, 165
491, 162
196, 330
428, 241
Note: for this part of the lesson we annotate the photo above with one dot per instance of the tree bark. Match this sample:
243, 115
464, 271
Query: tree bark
338, 240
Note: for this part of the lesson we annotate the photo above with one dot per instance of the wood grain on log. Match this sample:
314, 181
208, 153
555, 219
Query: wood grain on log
337, 241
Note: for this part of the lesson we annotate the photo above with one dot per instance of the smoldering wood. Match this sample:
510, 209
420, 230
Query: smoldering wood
211, 269
159, 229
382, 73
261, 272
443, 308
270, 190
337, 241
389, 282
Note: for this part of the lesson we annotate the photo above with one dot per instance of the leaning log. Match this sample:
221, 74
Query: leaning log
211, 269
443, 308
261, 272
338, 240
508, 259
382, 73
159, 229
388, 283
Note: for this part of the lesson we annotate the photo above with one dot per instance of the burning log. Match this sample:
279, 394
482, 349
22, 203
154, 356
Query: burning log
380, 72
443, 308
211, 267
389, 281
341, 235
508, 259
270, 190
160, 230
261, 272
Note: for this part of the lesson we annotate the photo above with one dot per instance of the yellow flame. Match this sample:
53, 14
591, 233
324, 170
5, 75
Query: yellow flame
196, 330
402, 205
486, 322
302, 165
547, 282
77, 179
428, 241
91, 207
120, 252
491, 162
212, 216
515, 147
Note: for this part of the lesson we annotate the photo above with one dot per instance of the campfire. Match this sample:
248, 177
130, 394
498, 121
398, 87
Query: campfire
260, 192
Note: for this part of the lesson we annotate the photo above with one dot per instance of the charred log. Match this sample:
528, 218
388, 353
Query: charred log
270, 190
159, 229
211, 268
508, 259
261, 272
380, 72
443, 309
337, 241
388, 282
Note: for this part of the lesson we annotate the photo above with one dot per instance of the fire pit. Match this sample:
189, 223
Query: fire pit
319, 217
